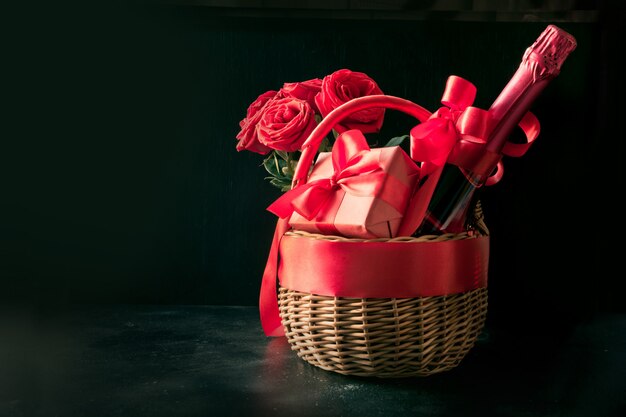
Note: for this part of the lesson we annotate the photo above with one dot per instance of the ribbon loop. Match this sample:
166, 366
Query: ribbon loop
459, 93
474, 124
530, 126
348, 145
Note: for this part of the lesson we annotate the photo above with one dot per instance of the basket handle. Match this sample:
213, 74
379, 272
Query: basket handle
312, 143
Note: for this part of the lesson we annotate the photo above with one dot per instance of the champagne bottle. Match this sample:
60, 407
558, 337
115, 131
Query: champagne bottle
455, 190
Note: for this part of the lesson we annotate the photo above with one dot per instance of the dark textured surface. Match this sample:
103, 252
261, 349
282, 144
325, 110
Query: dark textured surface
215, 361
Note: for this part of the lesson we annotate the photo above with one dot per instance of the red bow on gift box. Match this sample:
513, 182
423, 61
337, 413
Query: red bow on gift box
355, 170
355, 191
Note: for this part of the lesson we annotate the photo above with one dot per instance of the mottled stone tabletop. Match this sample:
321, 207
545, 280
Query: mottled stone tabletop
216, 361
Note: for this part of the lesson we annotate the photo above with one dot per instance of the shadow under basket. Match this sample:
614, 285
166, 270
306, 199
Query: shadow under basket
384, 337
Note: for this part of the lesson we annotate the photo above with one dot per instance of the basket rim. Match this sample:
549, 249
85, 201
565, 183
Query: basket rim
400, 239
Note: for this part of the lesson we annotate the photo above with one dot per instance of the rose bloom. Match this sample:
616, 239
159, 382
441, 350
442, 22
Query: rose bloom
247, 136
285, 124
342, 86
305, 90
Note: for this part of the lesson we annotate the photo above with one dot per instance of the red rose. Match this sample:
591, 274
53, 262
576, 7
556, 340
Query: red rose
259, 103
285, 124
342, 86
247, 136
305, 90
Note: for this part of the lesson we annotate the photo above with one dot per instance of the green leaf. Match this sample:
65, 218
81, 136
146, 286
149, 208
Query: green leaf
282, 184
397, 141
274, 165
268, 164
325, 145
284, 155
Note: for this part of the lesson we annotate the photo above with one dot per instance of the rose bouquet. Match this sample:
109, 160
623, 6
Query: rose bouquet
278, 122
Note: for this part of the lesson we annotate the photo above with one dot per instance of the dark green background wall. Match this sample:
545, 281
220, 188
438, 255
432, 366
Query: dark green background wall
124, 186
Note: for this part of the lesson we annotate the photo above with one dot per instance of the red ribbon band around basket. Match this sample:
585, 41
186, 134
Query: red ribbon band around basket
369, 269
362, 269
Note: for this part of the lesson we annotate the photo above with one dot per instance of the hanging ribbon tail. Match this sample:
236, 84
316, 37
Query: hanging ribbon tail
268, 299
416, 210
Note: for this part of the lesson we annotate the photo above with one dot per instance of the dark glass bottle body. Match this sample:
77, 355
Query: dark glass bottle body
451, 201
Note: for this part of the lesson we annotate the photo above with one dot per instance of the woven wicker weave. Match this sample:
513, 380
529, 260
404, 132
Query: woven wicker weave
384, 337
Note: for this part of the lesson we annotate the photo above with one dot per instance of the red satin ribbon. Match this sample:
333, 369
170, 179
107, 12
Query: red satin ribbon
357, 171
456, 134
383, 269
530, 125
268, 302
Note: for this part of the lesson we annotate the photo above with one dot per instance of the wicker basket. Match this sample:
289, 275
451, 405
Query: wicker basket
385, 337
381, 337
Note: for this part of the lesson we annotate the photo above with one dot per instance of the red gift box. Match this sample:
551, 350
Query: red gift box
353, 191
